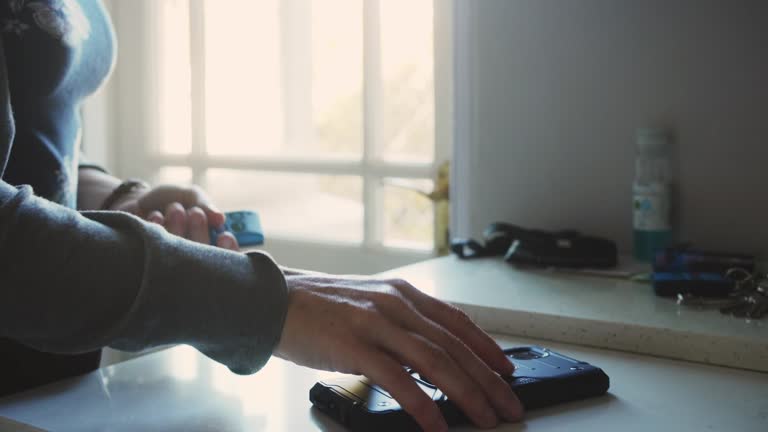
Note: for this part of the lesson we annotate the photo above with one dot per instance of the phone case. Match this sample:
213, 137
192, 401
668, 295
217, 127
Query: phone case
244, 225
541, 378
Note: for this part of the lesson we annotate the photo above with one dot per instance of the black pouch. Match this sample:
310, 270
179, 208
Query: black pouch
540, 248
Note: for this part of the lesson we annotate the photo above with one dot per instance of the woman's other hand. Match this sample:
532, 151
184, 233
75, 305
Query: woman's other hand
185, 211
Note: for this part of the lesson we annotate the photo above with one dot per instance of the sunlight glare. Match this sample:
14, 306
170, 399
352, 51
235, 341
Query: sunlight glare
174, 102
243, 80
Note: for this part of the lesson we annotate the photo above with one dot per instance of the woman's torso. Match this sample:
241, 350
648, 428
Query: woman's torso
57, 53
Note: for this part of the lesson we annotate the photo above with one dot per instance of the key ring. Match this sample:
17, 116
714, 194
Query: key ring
744, 281
748, 299
735, 272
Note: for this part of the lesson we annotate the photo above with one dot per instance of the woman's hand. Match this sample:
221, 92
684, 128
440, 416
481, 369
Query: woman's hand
185, 211
374, 327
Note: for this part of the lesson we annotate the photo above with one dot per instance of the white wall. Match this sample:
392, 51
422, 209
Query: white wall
550, 92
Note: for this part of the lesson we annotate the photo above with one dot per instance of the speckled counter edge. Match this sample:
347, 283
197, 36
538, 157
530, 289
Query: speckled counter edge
660, 342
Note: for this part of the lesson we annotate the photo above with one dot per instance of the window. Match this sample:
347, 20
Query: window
313, 112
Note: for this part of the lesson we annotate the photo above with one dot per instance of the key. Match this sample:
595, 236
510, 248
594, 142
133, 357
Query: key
692, 300
749, 299
750, 307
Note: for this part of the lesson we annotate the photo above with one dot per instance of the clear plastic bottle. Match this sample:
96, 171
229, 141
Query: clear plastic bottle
652, 192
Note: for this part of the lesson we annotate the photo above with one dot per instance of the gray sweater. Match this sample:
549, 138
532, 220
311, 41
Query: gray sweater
72, 282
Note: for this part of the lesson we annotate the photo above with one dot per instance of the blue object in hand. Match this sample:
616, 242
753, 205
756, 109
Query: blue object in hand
244, 225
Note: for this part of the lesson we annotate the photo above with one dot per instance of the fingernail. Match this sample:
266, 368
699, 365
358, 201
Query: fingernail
511, 366
229, 243
193, 219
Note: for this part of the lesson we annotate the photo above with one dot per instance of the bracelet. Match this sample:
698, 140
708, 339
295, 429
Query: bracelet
125, 188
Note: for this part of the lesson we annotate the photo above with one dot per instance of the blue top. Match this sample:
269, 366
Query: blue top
73, 282
74, 51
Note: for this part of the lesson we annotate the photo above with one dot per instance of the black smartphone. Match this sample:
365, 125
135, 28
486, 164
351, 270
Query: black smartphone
542, 378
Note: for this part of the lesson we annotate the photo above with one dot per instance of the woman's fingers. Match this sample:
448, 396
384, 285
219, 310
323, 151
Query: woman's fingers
388, 374
194, 196
497, 391
457, 322
187, 196
197, 226
156, 217
176, 219
424, 355
215, 216
227, 240
184, 211
192, 224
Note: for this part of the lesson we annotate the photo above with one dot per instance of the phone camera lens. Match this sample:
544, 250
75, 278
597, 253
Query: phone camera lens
525, 355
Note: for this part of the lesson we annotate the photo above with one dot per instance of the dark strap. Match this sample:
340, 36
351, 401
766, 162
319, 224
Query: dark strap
498, 238
540, 248
468, 248
125, 188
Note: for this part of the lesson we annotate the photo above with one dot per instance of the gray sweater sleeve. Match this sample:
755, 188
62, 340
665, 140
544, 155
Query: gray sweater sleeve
72, 282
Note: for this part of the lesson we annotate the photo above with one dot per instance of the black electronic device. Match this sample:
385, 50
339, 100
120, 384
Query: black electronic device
542, 378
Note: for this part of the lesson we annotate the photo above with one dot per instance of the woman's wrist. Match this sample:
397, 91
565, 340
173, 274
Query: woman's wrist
127, 190
96, 186
287, 271
93, 187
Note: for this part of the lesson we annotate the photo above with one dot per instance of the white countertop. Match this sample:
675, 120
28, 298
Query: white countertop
181, 390
590, 310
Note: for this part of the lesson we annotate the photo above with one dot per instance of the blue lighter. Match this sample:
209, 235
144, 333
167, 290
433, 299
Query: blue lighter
244, 225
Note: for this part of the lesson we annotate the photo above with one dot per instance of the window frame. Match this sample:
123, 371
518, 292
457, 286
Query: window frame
135, 129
